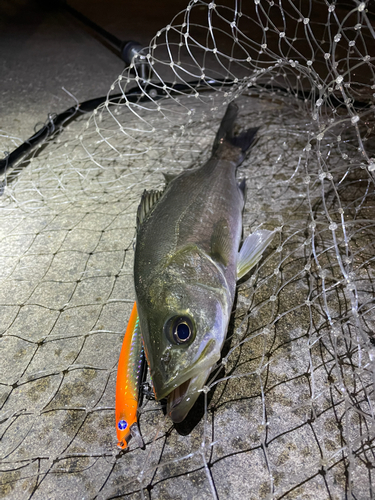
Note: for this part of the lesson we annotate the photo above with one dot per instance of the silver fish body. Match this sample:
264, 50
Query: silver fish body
185, 269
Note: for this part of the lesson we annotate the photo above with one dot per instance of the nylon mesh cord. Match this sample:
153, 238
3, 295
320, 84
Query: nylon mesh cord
289, 412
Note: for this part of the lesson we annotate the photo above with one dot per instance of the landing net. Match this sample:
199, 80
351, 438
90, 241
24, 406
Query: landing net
289, 412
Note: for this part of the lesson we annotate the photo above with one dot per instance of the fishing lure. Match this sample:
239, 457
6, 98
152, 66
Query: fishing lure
130, 374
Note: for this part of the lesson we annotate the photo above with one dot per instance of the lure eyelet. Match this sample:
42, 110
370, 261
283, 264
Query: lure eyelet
180, 330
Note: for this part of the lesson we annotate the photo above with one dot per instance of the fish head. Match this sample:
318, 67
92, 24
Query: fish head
183, 327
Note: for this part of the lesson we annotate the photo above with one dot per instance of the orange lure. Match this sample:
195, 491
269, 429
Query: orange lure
130, 373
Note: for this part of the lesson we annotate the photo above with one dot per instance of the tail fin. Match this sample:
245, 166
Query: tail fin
225, 133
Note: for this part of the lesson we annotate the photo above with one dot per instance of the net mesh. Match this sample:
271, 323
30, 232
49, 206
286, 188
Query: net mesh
289, 411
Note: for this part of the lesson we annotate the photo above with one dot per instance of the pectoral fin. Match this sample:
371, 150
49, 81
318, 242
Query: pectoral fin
252, 250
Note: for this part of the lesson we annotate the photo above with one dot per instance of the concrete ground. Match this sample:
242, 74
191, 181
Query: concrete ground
291, 414
44, 50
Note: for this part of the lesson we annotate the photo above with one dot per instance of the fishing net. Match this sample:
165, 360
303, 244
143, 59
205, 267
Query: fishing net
289, 411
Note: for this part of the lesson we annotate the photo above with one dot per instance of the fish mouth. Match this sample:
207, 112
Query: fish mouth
182, 398
177, 395
199, 369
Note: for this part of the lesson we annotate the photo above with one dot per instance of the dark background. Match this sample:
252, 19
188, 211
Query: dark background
44, 48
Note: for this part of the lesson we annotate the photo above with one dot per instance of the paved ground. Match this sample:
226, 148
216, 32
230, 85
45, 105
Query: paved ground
45, 49
292, 420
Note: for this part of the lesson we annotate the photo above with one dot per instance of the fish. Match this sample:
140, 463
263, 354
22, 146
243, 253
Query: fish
186, 265
130, 374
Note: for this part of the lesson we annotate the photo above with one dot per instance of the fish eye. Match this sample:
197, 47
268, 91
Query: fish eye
181, 333
179, 329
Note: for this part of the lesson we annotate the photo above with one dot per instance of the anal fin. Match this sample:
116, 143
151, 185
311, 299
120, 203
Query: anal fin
243, 189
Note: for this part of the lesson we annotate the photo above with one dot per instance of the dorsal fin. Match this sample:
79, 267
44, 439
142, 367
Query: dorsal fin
148, 200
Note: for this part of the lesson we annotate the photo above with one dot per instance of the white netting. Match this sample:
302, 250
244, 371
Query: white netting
292, 412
